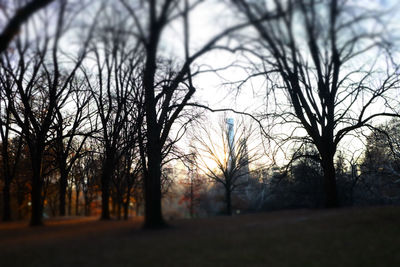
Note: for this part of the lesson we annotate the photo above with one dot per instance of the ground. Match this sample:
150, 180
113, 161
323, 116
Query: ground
340, 237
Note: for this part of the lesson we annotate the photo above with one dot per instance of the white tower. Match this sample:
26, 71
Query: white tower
231, 137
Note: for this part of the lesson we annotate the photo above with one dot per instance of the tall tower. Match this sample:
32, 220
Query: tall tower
230, 123
231, 140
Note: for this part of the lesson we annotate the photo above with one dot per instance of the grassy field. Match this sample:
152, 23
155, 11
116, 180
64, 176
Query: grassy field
342, 237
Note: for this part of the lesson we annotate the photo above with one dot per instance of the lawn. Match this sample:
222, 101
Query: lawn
340, 237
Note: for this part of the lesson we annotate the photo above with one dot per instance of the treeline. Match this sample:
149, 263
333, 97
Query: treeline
81, 92
369, 175
79, 194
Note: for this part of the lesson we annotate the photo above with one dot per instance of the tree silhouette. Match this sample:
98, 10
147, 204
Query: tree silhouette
21, 16
227, 148
166, 93
39, 87
115, 90
315, 56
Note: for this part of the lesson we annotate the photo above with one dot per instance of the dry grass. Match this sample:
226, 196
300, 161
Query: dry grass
346, 237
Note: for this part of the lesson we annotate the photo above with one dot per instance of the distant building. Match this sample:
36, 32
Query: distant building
243, 161
231, 140
239, 160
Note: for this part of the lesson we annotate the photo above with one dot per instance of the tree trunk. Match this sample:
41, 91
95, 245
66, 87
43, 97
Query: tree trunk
63, 192
126, 210
119, 210
152, 181
228, 201
105, 192
6, 200
137, 206
87, 206
126, 203
36, 193
69, 201
153, 215
113, 205
152, 178
7, 179
20, 201
328, 167
77, 202
152, 185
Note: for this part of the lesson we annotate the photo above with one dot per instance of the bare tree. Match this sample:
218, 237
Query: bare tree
11, 149
380, 167
90, 167
71, 132
10, 146
165, 93
325, 59
126, 177
224, 155
193, 183
114, 89
40, 85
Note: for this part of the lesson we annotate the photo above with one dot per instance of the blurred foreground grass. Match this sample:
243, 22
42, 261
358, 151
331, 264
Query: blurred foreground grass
340, 237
